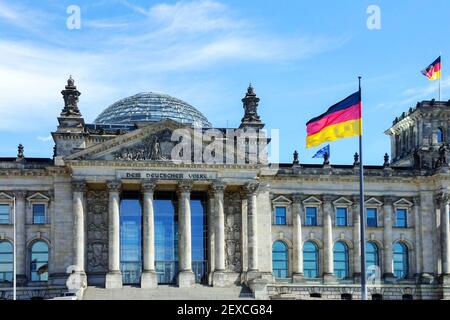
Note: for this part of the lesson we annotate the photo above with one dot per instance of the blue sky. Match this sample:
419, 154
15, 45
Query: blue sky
301, 57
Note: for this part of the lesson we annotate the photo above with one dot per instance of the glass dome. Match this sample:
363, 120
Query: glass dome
151, 107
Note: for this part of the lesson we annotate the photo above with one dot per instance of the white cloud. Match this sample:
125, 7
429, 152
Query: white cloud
45, 139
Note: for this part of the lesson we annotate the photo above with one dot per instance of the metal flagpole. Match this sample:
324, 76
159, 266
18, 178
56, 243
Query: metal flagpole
361, 206
440, 77
14, 251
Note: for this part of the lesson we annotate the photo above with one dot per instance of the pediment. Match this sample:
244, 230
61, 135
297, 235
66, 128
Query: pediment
373, 202
403, 203
148, 143
38, 197
5, 197
281, 200
342, 201
312, 200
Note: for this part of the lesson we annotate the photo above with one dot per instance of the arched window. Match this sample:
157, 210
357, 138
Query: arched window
280, 260
310, 260
340, 260
400, 260
372, 258
39, 261
6, 261
440, 135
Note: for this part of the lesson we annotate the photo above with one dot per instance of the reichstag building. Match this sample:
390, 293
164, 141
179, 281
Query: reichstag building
120, 205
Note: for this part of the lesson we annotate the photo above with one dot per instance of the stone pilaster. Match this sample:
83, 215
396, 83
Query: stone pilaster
297, 214
219, 278
252, 231
114, 276
328, 269
211, 236
356, 240
79, 221
244, 230
417, 235
444, 205
20, 237
148, 278
388, 213
186, 277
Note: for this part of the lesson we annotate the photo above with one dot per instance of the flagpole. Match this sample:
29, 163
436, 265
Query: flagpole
14, 251
440, 77
361, 206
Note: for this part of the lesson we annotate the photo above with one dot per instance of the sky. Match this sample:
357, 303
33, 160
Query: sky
300, 56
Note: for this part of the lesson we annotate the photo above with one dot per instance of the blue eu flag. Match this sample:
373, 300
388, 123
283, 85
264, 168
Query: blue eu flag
321, 152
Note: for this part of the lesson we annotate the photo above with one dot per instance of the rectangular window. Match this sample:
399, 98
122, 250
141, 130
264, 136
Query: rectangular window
311, 216
38, 213
341, 217
4, 214
280, 215
400, 218
371, 217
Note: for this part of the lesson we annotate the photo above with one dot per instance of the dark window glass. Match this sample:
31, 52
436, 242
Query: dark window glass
372, 217
346, 296
440, 135
311, 216
130, 240
280, 259
6, 261
372, 259
377, 296
400, 260
39, 261
280, 215
407, 297
315, 295
4, 213
166, 237
341, 217
310, 260
340, 260
400, 218
38, 213
199, 237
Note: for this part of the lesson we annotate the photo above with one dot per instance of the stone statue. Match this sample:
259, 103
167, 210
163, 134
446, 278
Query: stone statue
296, 161
156, 150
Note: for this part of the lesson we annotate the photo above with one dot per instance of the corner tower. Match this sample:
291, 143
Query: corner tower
420, 137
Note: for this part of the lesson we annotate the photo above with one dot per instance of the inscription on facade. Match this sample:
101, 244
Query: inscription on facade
166, 175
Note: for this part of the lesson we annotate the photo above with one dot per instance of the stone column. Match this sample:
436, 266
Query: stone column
445, 238
186, 277
244, 230
114, 276
328, 239
356, 240
211, 236
219, 242
79, 218
21, 245
297, 214
148, 278
252, 230
417, 236
388, 213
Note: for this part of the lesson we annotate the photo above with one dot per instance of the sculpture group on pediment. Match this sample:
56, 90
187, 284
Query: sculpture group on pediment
150, 148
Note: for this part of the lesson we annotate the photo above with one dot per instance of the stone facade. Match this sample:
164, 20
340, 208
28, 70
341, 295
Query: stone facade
81, 190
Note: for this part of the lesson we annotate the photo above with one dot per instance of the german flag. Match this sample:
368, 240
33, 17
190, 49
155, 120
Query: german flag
433, 71
342, 120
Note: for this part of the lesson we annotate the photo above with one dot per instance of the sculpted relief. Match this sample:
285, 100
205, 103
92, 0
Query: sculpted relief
157, 147
97, 231
233, 225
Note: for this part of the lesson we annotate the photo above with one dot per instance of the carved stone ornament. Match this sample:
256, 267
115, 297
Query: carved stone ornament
233, 223
157, 147
185, 187
97, 231
251, 188
148, 185
218, 187
113, 185
79, 185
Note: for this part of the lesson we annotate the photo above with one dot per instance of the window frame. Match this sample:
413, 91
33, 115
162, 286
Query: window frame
316, 208
316, 261
406, 220
376, 216
337, 218
9, 205
286, 261
278, 206
45, 204
377, 255
31, 264
11, 263
346, 260
405, 259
